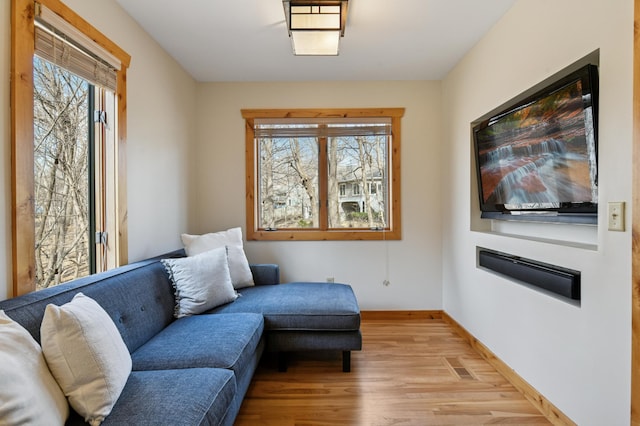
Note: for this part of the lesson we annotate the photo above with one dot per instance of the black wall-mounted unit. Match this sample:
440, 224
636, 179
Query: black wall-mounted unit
562, 281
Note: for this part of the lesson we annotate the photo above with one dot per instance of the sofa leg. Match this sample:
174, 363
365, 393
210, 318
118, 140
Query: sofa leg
346, 361
282, 362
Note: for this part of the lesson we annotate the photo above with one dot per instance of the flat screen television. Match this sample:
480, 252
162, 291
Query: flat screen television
539, 156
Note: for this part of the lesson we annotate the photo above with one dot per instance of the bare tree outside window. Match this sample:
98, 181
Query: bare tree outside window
61, 159
289, 182
289, 187
361, 164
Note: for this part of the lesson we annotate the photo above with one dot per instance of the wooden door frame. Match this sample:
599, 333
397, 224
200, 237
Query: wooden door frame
635, 245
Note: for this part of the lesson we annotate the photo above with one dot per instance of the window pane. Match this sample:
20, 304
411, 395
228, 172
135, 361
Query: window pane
358, 173
61, 180
288, 178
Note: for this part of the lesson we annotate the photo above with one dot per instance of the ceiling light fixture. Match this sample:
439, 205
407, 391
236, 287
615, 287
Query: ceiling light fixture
315, 26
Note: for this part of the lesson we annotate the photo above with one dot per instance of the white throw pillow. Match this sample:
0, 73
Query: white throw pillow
201, 282
232, 239
86, 355
29, 394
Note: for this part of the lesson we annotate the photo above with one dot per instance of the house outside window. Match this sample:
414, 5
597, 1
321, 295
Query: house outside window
311, 161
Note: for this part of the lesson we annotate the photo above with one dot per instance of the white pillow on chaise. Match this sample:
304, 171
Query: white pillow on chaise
201, 282
232, 239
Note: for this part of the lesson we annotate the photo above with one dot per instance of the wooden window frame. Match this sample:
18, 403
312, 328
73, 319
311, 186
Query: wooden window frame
635, 248
22, 179
394, 229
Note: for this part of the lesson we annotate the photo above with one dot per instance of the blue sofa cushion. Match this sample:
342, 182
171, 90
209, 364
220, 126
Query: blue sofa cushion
300, 306
216, 341
197, 396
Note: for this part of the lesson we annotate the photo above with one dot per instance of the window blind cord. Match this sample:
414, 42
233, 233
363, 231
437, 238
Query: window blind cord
386, 256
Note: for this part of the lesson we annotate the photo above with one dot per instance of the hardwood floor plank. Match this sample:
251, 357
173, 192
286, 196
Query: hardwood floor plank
411, 371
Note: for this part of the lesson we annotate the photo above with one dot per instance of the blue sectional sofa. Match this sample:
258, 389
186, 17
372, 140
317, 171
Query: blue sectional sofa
196, 370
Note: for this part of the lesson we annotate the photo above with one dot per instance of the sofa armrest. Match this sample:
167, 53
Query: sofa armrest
265, 273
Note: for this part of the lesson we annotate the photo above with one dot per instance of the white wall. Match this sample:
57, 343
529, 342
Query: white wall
161, 128
218, 201
576, 356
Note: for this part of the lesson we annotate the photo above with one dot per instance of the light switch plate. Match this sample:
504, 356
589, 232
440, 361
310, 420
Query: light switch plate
615, 216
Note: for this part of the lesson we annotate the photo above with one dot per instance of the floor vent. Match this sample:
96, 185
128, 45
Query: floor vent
459, 369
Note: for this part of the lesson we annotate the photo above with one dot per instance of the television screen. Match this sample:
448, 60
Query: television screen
540, 155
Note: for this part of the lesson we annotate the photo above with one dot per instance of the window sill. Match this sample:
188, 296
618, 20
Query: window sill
315, 235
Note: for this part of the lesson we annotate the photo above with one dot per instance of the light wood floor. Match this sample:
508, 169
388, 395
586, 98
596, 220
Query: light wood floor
409, 372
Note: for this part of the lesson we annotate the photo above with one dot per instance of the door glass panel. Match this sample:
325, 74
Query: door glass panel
61, 174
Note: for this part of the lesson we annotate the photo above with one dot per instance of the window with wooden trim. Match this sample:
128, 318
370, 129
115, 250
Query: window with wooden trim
68, 132
310, 174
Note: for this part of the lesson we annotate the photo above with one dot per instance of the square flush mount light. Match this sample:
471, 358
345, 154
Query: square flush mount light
315, 26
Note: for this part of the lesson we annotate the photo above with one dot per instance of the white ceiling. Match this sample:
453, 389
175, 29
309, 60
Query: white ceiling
247, 40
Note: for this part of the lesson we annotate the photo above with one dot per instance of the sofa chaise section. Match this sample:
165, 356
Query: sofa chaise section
304, 316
